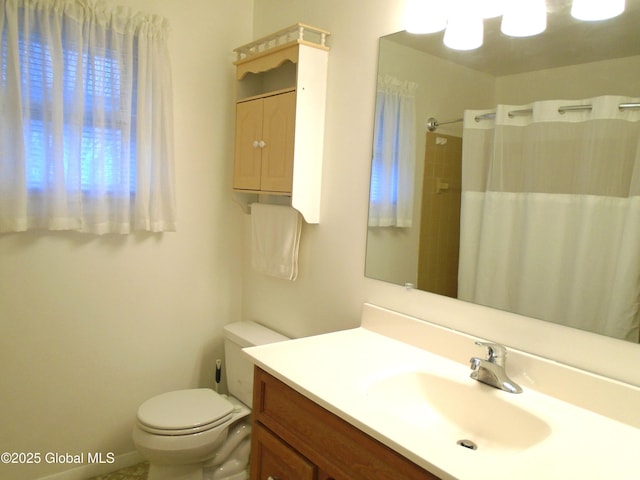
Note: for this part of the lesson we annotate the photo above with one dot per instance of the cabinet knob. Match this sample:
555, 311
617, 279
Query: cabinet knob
256, 144
262, 144
272, 478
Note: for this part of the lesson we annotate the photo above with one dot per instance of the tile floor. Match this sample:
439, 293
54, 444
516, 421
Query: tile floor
135, 472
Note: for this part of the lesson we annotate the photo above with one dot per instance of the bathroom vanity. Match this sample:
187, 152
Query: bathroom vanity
393, 399
295, 438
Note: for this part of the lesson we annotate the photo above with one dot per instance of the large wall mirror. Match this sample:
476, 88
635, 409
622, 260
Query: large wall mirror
509, 175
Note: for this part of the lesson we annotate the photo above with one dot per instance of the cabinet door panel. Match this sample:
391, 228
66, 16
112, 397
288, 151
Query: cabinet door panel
278, 133
338, 449
272, 459
247, 165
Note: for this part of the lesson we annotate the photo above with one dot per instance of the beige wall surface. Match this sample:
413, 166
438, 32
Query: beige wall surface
92, 326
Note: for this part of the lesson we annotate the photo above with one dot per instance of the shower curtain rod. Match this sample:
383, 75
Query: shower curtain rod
433, 124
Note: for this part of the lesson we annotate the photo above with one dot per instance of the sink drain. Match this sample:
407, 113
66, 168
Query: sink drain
467, 444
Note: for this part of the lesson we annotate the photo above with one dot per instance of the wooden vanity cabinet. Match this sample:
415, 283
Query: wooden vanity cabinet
276, 459
293, 438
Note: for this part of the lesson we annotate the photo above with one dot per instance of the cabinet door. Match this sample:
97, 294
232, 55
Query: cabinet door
247, 163
272, 459
337, 449
278, 133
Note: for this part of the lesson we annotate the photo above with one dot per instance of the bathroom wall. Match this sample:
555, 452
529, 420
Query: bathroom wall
331, 286
92, 326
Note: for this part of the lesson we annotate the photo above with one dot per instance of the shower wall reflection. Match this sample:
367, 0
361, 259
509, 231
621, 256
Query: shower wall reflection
440, 215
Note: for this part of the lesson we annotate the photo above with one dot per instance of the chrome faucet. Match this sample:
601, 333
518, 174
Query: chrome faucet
492, 369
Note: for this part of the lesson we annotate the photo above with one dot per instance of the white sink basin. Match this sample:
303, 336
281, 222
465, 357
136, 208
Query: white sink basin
388, 379
465, 410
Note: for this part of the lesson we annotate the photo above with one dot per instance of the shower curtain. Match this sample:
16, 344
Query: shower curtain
550, 218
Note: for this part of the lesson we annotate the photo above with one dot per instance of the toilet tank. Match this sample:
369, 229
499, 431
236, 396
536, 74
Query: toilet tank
238, 366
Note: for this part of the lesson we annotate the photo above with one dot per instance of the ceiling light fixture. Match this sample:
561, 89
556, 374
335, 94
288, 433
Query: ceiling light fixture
462, 20
425, 16
594, 10
464, 31
524, 18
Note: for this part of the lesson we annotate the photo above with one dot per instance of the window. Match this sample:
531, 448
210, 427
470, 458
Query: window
75, 153
98, 76
392, 166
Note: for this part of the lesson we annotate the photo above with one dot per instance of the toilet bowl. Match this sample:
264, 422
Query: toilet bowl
197, 433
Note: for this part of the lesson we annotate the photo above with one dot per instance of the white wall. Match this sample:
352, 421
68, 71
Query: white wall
331, 287
92, 326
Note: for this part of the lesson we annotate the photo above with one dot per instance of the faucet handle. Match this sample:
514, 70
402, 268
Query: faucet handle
496, 352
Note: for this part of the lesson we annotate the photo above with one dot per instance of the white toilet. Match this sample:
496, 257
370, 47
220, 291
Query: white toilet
198, 434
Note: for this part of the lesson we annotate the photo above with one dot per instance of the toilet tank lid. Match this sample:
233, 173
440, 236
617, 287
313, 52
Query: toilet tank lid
249, 334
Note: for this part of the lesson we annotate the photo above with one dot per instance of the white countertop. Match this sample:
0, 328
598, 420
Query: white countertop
336, 369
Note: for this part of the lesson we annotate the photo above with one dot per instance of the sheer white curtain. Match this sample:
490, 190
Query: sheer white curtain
394, 152
86, 130
550, 223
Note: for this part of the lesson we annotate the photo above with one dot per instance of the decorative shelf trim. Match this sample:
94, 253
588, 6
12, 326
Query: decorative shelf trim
295, 34
266, 94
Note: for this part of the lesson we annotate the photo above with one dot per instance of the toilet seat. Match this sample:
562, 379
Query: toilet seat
184, 412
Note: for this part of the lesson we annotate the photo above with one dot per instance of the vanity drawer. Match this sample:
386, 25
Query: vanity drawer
273, 459
332, 444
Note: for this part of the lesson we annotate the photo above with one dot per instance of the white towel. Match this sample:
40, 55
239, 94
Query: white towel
275, 232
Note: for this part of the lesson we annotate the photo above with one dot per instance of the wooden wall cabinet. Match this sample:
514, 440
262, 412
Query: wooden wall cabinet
280, 113
294, 438
265, 130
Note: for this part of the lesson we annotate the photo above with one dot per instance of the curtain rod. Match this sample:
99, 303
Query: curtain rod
433, 124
